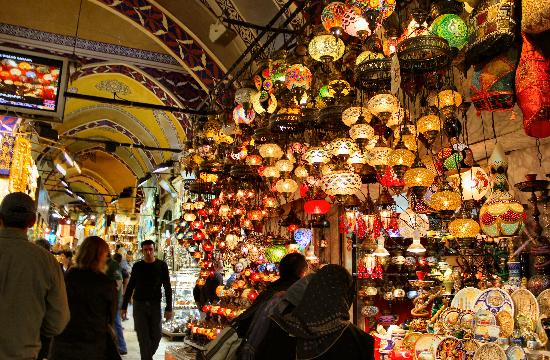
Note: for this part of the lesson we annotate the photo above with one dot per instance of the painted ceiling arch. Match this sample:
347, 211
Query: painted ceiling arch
123, 155
172, 35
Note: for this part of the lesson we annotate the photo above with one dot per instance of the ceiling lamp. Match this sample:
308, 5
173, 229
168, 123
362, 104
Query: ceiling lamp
474, 183
332, 17
342, 147
397, 117
368, 55
380, 249
384, 7
284, 165
278, 68
501, 215
407, 133
416, 247
383, 105
270, 202
258, 103
410, 221
244, 95
301, 172
448, 101
253, 160
271, 172
361, 133
270, 151
357, 158
326, 48
316, 207
401, 159
351, 115
341, 182
316, 155
298, 77
354, 23
242, 116
429, 126
379, 155
446, 201
464, 228
452, 28
419, 176
286, 186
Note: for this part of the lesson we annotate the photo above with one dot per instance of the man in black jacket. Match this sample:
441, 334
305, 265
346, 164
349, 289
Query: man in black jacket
148, 276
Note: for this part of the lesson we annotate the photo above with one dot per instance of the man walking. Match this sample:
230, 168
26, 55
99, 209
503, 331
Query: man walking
148, 275
33, 299
114, 272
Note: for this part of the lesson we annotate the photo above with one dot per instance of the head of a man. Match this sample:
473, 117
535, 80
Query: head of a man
148, 251
18, 211
293, 266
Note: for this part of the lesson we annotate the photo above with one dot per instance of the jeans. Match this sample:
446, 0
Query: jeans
121, 343
147, 323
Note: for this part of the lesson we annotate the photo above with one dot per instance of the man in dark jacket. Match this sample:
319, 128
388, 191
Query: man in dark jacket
148, 276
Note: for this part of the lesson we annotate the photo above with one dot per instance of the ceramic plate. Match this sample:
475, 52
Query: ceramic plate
494, 300
425, 346
489, 351
409, 340
506, 323
484, 317
469, 348
525, 303
450, 318
544, 302
516, 352
465, 298
467, 320
450, 348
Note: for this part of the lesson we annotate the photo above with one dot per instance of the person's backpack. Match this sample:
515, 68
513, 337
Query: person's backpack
224, 347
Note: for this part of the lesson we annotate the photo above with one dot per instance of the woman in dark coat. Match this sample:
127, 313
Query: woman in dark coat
318, 327
92, 302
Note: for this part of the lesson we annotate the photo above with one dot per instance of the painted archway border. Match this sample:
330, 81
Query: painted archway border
173, 36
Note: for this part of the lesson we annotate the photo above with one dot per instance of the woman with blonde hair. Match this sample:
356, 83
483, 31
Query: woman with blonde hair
92, 302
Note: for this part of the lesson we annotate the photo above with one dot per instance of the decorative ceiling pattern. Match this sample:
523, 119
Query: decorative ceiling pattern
177, 40
113, 87
90, 153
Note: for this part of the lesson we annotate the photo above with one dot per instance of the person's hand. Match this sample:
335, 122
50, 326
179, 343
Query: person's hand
124, 314
168, 315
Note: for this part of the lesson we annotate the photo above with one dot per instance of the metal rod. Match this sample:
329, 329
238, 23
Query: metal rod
138, 104
118, 144
259, 27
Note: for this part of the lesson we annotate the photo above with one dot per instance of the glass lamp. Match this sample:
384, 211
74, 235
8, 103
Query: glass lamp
446, 201
301, 172
383, 105
379, 155
429, 126
342, 147
357, 158
298, 76
271, 172
326, 48
351, 115
316, 207
211, 129
286, 186
332, 17
448, 101
316, 155
368, 55
401, 156
385, 7
474, 183
452, 28
244, 95
361, 132
270, 151
241, 116
341, 182
410, 221
380, 249
189, 217
259, 108
253, 160
284, 165
463, 228
397, 117
416, 247
419, 176
354, 23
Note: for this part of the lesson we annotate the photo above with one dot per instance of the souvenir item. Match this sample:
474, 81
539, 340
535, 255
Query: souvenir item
525, 303
535, 16
516, 352
494, 300
493, 26
467, 320
450, 319
490, 351
532, 88
409, 340
425, 346
469, 348
465, 298
483, 319
544, 303
450, 348
506, 323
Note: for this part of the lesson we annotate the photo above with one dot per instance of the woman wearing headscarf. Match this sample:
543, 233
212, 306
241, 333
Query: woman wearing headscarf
318, 327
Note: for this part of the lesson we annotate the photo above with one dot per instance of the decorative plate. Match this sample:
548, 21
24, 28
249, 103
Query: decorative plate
409, 340
469, 348
450, 348
467, 320
425, 346
544, 303
506, 323
484, 317
516, 352
525, 303
494, 300
489, 351
465, 298
450, 318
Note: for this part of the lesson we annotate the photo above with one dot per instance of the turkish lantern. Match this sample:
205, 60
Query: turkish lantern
532, 89
316, 207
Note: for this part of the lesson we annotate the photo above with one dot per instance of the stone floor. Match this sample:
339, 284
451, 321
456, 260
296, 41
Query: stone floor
133, 346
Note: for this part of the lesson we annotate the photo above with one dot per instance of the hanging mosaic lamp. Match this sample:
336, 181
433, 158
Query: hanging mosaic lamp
401, 159
284, 165
451, 28
464, 227
332, 17
244, 95
342, 147
448, 101
383, 105
428, 127
316, 207
303, 237
410, 221
301, 172
419, 176
361, 133
270, 151
316, 155
275, 253
286, 186
242, 116
379, 155
384, 7
351, 115
341, 182
474, 183
271, 172
354, 23
501, 214
298, 76
326, 48
446, 201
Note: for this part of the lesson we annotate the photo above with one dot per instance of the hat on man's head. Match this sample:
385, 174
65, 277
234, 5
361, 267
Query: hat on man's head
18, 205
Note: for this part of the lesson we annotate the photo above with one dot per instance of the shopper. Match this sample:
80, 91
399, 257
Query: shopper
66, 259
33, 300
238, 269
114, 273
92, 301
206, 293
125, 274
318, 327
147, 278
44, 243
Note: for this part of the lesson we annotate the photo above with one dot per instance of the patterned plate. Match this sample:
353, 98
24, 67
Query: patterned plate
409, 340
465, 298
450, 348
525, 303
544, 303
425, 346
516, 352
494, 300
506, 323
467, 320
469, 348
450, 318
489, 351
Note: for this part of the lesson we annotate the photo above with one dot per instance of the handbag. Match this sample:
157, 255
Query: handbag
224, 347
493, 29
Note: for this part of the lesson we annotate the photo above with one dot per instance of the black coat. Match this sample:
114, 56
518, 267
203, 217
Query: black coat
92, 303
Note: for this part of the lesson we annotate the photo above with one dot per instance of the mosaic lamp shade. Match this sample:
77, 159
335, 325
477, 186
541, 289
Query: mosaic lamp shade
384, 7
286, 186
332, 17
326, 48
342, 146
532, 89
301, 172
341, 182
270, 151
446, 199
242, 116
244, 95
474, 183
464, 228
271, 172
492, 86
379, 155
368, 55
351, 115
429, 126
275, 253
316, 155
451, 28
354, 23
419, 177
303, 237
361, 132
298, 76
382, 104
284, 165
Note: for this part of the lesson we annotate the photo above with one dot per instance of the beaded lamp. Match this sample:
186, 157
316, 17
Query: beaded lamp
286, 186
419, 176
383, 105
284, 165
316, 155
357, 158
407, 133
448, 101
271, 172
351, 115
379, 155
342, 147
354, 23
451, 28
429, 126
326, 48
397, 117
301, 172
242, 116
332, 17
463, 228
361, 132
298, 77
446, 201
270, 151
341, 182
410, 221
401, 156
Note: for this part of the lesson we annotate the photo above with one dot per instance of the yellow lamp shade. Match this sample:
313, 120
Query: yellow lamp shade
402, 157
270, 151
361, 132
351, 115
326, 48
446, 98
464, 228
419, 177
342, 146
341, 182
271, 172
383, 104
288, 186
446, 200
301, 172
316, 155
284, 165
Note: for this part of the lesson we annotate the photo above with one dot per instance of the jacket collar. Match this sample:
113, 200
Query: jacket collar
12, 233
